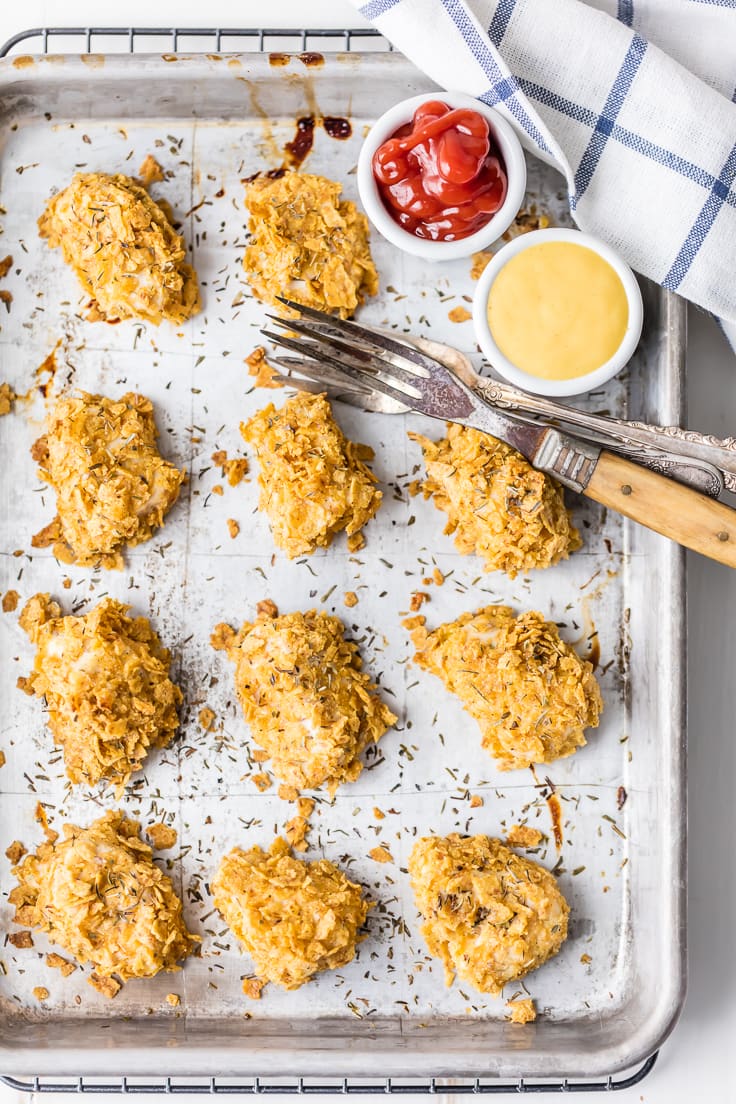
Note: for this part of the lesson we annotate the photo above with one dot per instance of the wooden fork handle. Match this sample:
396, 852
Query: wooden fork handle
676, 511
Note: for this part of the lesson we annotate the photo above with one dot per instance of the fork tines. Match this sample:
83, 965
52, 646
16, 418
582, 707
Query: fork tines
356, 360
379, 343
341, 353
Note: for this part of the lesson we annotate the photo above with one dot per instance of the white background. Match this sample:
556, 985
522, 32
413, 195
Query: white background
696, 1065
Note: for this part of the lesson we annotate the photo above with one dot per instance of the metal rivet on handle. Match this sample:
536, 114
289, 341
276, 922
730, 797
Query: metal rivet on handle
626, 489
723, 535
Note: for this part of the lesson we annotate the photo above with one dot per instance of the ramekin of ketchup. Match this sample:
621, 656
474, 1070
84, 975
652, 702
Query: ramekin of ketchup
441, 176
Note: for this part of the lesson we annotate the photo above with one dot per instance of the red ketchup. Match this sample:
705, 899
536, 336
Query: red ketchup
441, 176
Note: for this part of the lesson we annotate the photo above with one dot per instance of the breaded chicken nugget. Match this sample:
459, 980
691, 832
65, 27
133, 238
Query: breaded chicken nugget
305, 697
294, 918
98, 894
105, 679
531, 694
113, 488
491, 916
498, 506
126, 254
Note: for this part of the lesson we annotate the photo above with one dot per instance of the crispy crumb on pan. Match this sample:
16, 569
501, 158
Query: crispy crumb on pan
521, 835
7, 398
521, 1011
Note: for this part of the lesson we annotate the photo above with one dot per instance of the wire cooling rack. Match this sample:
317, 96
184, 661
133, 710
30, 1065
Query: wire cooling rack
261, 1086
130, 40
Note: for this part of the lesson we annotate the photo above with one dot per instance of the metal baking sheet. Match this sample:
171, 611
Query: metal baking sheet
212, 121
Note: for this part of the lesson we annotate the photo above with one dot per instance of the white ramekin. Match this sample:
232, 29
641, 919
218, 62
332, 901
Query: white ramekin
580, 384
514, 164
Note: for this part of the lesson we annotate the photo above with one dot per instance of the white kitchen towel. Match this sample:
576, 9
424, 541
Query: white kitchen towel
633, 100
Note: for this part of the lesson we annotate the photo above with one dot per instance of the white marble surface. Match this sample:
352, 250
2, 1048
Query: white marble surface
696, 1064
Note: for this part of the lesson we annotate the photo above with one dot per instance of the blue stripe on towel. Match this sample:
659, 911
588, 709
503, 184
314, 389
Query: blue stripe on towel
604, 125
499, 23
623, 135
720, 193
503, 88
626, 12
558, 103
376, 8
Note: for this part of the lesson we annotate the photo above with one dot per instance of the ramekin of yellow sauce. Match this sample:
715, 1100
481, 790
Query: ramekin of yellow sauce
557, 312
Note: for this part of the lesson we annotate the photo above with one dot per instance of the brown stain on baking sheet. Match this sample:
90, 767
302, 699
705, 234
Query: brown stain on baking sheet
270, 145
47, 368
301, 144
549, 793
311, 60
93, 61
589, 638
298, 149
24, 61
594, 652
555, 812
337, 127
272, 174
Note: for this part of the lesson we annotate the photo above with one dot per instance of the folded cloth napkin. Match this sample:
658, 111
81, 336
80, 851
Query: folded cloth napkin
633, 100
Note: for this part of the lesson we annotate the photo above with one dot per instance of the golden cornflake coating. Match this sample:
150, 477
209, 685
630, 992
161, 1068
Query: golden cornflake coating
98, 894
127, 256
105, 679
521, 835
305, 697
307, 244
112, 486
530, 693
521, 1011
313, 480
498, 506
491, 916
7, 398
294, 918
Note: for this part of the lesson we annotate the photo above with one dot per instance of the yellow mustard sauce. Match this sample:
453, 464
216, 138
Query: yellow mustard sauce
558, 310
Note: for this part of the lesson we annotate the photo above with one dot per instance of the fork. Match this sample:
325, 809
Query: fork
692, 459
706, 462
339, 354
700, 460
